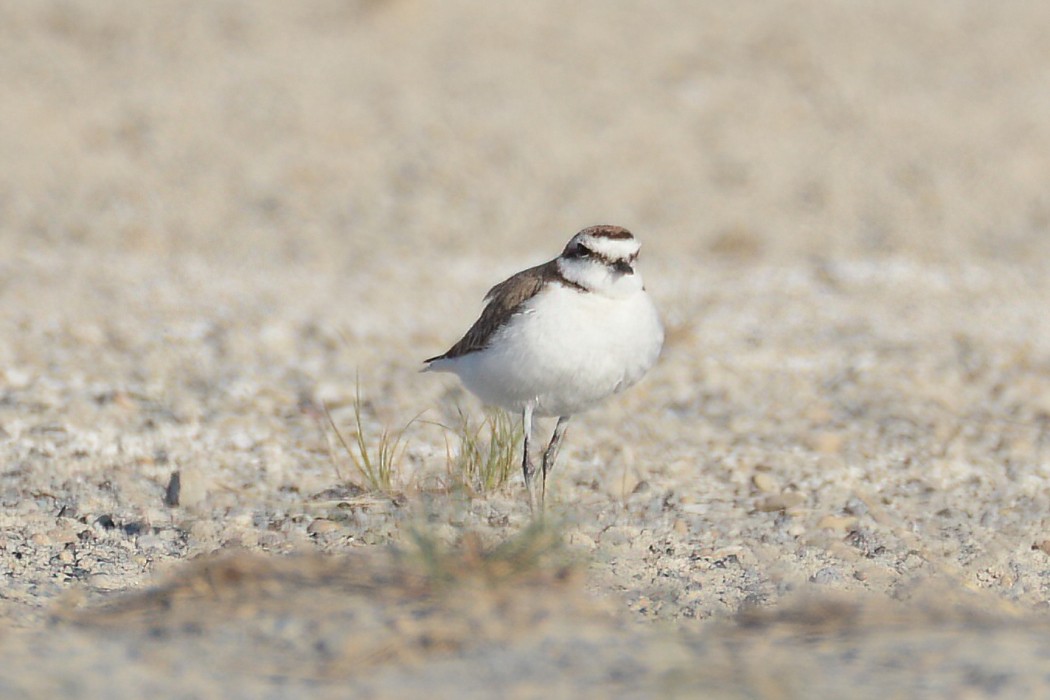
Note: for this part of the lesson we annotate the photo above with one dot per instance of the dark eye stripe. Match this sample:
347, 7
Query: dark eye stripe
625, 266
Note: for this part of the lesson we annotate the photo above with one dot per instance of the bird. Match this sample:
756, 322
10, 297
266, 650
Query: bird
559, 338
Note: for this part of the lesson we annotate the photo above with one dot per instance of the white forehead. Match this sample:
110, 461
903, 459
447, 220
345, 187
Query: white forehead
611, 248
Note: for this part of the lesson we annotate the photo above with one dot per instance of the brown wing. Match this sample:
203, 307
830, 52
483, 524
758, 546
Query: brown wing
504, 300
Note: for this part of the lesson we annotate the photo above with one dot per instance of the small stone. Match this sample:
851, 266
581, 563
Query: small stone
136, 528
107, 582
1042, 546
855, 506
62, 535
826, 442
242, 441
149, 541
243, 538
732, 552
40, 539
66, 556
205, 530
837, 522
617, 535
818, 413
17, 378
825, 576
878, 576
173, 490
582, 540
193, 487
322, 526
105, 522
764, 482
781, 501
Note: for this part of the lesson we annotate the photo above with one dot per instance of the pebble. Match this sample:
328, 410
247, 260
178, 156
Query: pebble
826, 442
205, 530
878, 576
580, 539
725, 552
244, 538
855, 506
781, 501
173, 491
17, 378
837, 522
149, 542
136, 528
105, 522
108, 582
322, 526
618, 536
764, 482
825, 576
242, 441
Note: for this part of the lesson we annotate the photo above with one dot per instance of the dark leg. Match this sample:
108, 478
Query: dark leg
526, 459
550, 456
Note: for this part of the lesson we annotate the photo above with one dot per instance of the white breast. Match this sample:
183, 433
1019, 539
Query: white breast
566, 351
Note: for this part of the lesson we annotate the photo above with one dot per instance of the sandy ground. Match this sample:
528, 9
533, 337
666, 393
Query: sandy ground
216, 216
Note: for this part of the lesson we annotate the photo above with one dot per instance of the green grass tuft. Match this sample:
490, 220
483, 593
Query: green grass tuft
488, 451
537, 550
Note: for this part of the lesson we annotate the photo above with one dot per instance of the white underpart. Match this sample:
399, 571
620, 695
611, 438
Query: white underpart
567, 350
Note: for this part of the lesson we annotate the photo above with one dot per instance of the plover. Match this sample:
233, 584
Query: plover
558, 338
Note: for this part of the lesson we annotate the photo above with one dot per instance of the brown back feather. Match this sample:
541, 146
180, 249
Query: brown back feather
505, 300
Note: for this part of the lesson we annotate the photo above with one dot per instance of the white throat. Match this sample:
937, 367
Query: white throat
599, 278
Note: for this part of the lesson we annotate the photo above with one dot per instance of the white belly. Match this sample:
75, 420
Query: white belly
565, 352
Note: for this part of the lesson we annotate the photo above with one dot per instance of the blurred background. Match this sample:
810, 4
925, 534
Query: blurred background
324, 132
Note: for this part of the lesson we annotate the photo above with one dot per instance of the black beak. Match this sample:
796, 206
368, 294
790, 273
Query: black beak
623, 267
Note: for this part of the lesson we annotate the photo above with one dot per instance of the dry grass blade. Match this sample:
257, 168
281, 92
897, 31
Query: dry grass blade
487, 455
376, 462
